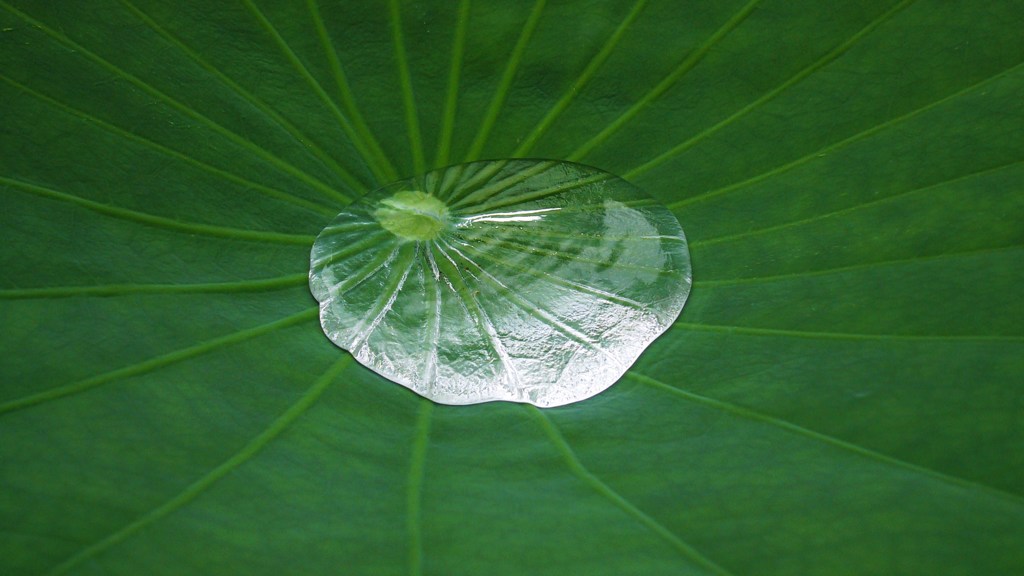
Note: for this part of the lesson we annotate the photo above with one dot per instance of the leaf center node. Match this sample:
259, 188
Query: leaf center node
413, 215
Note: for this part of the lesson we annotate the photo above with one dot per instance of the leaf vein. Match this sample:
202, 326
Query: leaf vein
856, 267
234, 137
386, 301
444, 143
581, 82
540, 273
194, 490
498, 101
599, 486
856, 207
314, 84
771, 94
750, 414
484, 324
348, 100
538, 312
685, 66
259, 285
412, 120
156, 362
159, 221
248, 96
82, 115
752, 331
414, 488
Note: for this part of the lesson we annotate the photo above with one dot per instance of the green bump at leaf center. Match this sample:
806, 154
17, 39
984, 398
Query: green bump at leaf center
412, 215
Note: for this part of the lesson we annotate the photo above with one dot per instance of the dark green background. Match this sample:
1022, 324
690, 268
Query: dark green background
843, 394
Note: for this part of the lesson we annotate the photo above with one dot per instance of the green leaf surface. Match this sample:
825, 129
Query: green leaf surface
843, 393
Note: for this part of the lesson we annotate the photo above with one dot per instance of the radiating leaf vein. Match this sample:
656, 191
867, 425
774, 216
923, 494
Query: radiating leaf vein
749, 414
849, 209
819, 335
444, 141
541, 274
157, 362
457, 283
194, 490
159, 221
234, 137
50, 292
432, 277
685, 66
487, 124
577, 467
533, 195
539, 312
314, 84
121, 132
581, 82
414, 488
469, 196
857, 267
249, 97
564, 256
771, 94
348, 100
412, 118
389, 294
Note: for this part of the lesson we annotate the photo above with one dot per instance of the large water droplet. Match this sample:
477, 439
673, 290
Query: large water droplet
522, 280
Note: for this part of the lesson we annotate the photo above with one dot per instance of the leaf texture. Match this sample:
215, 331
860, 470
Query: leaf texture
841, 395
